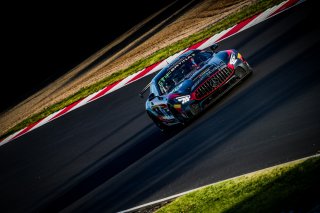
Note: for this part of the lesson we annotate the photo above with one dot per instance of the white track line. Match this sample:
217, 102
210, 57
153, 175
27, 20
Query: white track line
195, 189
262, 17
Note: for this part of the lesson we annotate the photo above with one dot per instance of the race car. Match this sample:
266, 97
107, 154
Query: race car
191, 83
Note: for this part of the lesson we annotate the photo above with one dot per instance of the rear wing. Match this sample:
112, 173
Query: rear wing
144, 90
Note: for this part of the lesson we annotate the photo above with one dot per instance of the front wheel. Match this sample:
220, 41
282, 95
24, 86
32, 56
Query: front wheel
240, 72
158, 123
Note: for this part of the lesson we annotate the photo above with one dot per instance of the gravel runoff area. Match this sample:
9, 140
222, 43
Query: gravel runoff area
202, 15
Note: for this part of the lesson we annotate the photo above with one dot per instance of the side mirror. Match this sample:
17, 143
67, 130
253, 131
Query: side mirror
151, 96
214, 47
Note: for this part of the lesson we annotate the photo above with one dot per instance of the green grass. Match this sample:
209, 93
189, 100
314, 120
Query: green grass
155, 57
279, 189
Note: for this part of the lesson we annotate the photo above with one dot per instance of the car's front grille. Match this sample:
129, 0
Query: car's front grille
213, 83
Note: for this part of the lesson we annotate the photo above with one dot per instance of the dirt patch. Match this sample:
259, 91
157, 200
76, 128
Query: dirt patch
202, 15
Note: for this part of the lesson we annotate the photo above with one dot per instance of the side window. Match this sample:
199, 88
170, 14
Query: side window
153, 89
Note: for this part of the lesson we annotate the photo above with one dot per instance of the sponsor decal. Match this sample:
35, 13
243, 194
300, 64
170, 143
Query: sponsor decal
177, 106
240, 57
183, 99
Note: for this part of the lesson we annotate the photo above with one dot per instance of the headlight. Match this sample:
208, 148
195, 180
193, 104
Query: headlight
183, 99
233, 59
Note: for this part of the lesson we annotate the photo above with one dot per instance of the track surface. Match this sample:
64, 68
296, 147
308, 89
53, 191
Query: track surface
108, 156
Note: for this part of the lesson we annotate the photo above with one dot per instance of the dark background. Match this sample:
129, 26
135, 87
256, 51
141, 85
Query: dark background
42, 41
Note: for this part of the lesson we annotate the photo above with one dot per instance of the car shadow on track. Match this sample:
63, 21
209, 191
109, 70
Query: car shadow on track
198, 140
205, 135
109, 165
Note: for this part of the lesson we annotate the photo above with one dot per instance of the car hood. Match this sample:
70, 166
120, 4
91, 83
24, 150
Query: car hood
195, 78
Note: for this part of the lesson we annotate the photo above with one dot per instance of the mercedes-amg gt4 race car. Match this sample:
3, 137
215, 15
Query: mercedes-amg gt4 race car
192, 82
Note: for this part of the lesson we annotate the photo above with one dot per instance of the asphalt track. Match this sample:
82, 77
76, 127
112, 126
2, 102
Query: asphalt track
107, 156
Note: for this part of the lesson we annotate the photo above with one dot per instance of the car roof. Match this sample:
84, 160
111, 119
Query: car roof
165, 69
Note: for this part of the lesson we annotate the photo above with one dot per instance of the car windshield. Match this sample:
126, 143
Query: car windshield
178, 71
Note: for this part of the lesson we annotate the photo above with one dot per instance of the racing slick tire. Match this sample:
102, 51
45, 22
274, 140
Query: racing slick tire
158, 123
